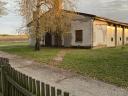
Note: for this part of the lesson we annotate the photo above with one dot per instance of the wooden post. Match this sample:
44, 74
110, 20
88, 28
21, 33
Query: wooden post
53, 91
66, 94
2, 80
30, 84
42, 89
47, 90
3, 64
59, 92
33, 86
38, 88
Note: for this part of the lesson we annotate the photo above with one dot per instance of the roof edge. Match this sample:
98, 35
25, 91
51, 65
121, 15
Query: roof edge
102, 18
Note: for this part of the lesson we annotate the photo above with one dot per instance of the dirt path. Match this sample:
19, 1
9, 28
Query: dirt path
59, 58
73, 83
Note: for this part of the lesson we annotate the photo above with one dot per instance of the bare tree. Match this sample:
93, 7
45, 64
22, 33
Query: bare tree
2, 8
49, 12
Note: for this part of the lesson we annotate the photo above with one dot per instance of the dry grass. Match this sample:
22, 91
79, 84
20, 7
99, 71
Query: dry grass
13, 37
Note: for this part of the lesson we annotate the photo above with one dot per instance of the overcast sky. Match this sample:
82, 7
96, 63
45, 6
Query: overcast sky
114, 9
10, 23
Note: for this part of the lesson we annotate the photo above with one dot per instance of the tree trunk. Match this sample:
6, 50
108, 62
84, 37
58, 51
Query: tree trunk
37, 45
58, 40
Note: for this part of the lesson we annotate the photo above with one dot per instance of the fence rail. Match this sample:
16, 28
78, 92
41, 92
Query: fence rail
14, 83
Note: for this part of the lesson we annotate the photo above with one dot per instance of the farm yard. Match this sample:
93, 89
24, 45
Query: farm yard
107, 64
63, 48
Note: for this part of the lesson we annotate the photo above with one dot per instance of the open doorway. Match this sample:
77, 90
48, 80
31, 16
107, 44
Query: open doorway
48, 39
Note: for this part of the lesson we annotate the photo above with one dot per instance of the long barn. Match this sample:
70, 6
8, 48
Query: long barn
90, 31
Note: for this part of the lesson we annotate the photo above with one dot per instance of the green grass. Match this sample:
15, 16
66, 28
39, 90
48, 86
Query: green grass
23, 49
6, 43
107, 64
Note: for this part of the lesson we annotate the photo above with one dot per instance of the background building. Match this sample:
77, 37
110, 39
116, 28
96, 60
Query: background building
90, 31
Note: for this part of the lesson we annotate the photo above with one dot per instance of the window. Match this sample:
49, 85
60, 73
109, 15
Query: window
120, 38
112, 39
79, 35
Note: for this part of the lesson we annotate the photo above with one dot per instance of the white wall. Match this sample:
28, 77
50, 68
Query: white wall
119, 36
85, 24
67, 37
32, 42
110, 36
126, 36
99, 33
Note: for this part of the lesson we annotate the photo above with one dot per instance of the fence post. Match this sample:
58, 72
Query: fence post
3, 64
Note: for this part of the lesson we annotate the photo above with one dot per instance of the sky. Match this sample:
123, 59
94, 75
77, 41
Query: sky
113, 9
11, 22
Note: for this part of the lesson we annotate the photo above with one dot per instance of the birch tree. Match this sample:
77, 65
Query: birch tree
49, 12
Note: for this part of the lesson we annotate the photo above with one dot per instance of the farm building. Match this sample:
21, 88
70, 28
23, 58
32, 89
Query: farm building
90, 31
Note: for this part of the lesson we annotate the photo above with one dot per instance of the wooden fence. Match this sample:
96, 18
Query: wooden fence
14, 83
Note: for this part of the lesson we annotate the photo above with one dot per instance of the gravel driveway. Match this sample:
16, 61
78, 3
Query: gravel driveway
75, 84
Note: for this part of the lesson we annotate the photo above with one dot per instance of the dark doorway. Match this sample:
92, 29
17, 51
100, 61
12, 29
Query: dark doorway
58, 40
48, 39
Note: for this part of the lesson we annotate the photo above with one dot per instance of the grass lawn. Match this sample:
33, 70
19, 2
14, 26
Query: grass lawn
24, 50
4, 43
107, 64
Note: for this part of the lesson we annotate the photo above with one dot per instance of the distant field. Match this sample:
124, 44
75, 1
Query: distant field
13, 38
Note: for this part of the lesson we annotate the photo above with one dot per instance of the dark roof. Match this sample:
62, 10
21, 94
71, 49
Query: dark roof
102, 19
96, 18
